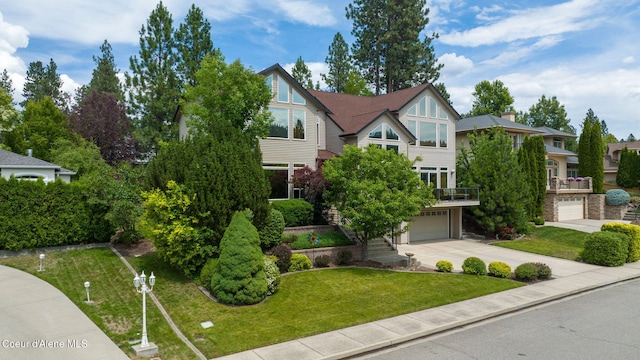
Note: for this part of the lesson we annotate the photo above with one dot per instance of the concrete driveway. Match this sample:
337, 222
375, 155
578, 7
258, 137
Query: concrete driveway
430, 252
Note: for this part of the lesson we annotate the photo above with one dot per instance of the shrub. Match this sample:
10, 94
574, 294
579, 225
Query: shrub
290, 239
633, 232
544, 271
207, 271
617, 197
283, 253
271, 233
444, 266
295, 212
538, 221
299, 262
499, 269
272, 273
507, 233
322, 261
526, 272
606, 248
344, 256
474, 266
240, 279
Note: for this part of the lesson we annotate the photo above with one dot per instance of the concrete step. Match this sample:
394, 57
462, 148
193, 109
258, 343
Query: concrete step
391, 260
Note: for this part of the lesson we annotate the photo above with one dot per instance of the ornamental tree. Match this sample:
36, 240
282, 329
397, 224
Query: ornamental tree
376, 191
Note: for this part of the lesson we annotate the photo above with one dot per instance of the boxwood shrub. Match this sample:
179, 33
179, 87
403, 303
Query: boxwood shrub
474, 266
526, 272
499, 269
633, 232
295, 212
606, 248
444, 266
299, 262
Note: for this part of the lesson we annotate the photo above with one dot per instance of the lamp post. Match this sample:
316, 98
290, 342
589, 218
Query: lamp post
140, 282
86, 286
41, 262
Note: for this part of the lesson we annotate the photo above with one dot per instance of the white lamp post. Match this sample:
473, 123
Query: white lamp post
41, 262
140, 283
86, 286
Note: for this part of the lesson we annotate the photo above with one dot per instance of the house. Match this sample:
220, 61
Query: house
567, 198
612, 158
312, 126
30, 168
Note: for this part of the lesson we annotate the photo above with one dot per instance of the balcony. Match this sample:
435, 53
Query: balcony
457, 197
570, 185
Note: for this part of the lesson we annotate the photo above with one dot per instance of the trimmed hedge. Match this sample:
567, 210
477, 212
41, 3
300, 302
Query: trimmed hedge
35, 215
526, 272
606, 248
295, 212
633, 232
474, 266
444, 266
299, 262
499, 269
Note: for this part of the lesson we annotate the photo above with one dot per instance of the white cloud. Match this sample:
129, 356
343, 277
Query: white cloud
485, 13
629, 60
455, 65
516, 52
307, 12
571, 16
68, 84
316, 69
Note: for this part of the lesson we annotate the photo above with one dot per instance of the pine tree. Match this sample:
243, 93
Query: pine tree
153, 83
6, 83
104, 78
302, 74
339, 63
193, 41
43, 81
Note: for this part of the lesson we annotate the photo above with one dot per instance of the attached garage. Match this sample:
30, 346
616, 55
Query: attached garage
570, 208
430, 225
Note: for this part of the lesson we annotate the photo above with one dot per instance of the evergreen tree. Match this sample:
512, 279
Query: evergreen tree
240, 279
6, 83
193, 41
532, 157
443, 91
491, 98
624, 177
104, 78
339, 62
357, 85
43, 81
591, 152
153, 83
387, 43
504, 190
302, 74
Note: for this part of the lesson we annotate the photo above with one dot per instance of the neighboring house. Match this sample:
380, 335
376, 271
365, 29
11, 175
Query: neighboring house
612, 158
30, 168
312, 126
566, 198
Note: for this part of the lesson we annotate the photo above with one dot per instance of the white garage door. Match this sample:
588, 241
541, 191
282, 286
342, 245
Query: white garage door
570, 208
430, 225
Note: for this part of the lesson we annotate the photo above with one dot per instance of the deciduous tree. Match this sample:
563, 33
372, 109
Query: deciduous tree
375, 190
491, 98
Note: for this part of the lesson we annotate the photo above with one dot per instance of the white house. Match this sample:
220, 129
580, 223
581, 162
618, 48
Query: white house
30, 168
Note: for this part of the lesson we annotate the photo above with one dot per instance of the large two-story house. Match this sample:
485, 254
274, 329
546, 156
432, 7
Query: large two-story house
312, 126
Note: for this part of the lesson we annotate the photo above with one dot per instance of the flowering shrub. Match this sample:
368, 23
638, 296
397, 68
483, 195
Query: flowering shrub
272, 273
570, 178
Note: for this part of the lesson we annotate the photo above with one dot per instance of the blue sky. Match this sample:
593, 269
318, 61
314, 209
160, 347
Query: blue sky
584, 52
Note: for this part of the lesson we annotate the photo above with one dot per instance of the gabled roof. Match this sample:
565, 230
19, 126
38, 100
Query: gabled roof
10, 159
279, 69
487, 121
547, 131
621, 145
558, 151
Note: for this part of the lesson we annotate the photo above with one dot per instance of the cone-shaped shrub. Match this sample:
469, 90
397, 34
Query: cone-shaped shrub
240, 279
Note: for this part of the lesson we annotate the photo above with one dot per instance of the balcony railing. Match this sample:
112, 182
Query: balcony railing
570, 185
457, 194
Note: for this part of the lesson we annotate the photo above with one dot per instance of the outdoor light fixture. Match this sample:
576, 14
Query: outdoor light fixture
140, 283
41, 262
86, 286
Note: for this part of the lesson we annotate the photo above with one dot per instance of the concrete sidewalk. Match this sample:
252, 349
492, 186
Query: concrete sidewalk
570, 278
40, 322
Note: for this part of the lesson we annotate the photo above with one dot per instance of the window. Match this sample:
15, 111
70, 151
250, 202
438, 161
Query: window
443, 114
432, 108
376, 133
278, 178
280, 126
412, 111
297, 98
427, 134
283, 90
299, 124
444, 178
553, 166
423, 107
443, 135
394, 148
391, 135
269, 81
429, 175
412, 125
557, 142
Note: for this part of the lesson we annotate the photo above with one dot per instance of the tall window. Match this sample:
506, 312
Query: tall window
444, 178
433, 108
299, 124
412, 126
280, 126
283, 90
278, 176
269, 81
427, 134
443, 135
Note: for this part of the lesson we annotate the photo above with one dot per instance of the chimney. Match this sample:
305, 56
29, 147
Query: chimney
30, 152
509, 115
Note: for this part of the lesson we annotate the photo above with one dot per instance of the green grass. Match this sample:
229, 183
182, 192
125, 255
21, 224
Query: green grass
307, 303
550, 241
329, 239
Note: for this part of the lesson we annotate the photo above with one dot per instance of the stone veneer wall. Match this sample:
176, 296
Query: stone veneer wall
332, 252
550, 208
596, 207
615, 212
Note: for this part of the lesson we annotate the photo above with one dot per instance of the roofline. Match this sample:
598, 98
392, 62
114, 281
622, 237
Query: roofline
298, 86
393, 117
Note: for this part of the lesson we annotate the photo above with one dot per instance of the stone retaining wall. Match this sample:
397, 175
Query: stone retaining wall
320, 229
332, 252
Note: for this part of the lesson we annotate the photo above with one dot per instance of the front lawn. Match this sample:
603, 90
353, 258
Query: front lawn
307, 303
328, 239
550, 241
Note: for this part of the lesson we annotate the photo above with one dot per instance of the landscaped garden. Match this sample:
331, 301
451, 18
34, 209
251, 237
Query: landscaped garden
306, 303
316, 240
550, 241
